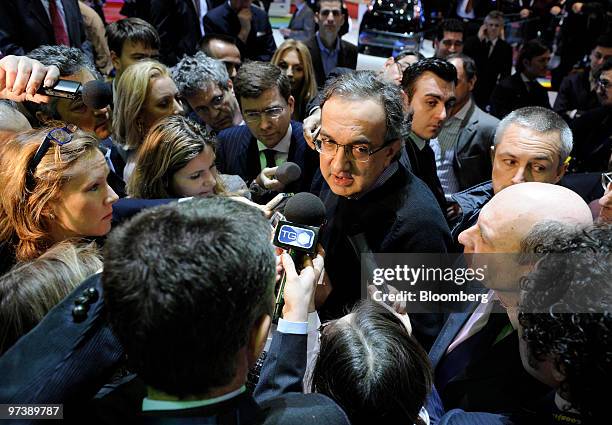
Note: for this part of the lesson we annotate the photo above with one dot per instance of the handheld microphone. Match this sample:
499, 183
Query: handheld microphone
288, 173
298, 233
96, 94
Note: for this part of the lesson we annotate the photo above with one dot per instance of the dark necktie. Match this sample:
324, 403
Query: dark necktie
269, 154
59, 29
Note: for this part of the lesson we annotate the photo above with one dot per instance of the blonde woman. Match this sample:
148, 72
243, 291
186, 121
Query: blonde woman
294, 59
177, 160
32, 288
52, 188
144, 94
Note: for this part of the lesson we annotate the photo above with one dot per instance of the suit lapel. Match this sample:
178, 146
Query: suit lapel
39, 12
316, 61
451, 328
251, 159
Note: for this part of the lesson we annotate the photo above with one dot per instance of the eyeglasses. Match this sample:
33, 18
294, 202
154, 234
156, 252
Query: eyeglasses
604, 84
606, 179
449, 43
326, 12
359, 153
60, 136
270, 113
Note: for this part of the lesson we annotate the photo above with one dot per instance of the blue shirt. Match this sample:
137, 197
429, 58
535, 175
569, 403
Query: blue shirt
328, 57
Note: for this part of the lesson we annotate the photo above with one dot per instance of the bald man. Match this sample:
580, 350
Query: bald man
476, 356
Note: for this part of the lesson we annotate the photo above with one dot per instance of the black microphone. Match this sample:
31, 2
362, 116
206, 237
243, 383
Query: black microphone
97, 94
288, 173
298, 233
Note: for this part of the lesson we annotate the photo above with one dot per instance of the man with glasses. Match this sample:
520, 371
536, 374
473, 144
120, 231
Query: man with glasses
269, 138
327, 49
373, 202
449, 38
205, 85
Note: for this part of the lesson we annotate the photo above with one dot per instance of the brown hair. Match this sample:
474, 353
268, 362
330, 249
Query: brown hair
170, 144
25, 212
30, 289
309, 85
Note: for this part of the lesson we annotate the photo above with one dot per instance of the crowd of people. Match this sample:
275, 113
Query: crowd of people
140, 273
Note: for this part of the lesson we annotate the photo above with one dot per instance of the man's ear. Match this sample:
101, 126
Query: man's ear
115, 61
258, 338
392, 152
492, 152
562, 169
291, 103
230, 86
316, 17
405, 101
472, 83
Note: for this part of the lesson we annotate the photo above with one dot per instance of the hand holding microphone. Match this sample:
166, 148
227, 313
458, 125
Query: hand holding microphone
300, 288
277, 178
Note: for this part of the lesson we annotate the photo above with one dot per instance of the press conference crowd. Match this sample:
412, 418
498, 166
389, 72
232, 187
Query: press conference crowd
145, 165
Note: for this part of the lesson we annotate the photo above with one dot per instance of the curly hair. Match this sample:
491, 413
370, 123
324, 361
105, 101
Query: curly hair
566, 315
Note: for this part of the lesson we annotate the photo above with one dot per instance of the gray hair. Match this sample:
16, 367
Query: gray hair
69, 60
363, 85
195, 73
542, 120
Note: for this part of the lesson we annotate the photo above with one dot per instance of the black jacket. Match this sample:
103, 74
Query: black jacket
347, 58
25, 25
260, 45
575, 93
511, 94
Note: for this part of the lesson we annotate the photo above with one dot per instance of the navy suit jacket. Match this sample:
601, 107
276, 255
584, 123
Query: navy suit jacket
260, 45
25, 25
237, 153
62, 360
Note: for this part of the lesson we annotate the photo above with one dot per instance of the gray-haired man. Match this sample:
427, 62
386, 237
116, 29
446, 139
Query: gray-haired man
208, 89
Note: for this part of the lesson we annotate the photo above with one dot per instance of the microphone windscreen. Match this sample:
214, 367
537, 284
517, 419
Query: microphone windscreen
305, 208
288, 172
97, 94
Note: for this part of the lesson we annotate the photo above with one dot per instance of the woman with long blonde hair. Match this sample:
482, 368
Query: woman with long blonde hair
176, 160
294, 59
145, 93
52, 188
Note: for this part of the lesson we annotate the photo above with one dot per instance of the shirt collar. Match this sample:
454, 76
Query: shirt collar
382, 179
463, 111
420, 143
149, 404
300, 6
282, 146
524, 78
325, 49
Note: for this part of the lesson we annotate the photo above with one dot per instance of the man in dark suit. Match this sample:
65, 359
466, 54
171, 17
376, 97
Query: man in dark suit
463, 146
430, 88
27, 24
179, 24
373, 202
269, 138
577, 92
493, 57
327, 49
248, 24
476, 355
195, 365
522, 88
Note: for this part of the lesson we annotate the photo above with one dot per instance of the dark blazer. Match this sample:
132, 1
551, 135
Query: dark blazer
347, 58
491, 69
592, 141
472, 163
575, 93
511, 93
178, 25
278, 398
260, 45
302, 24
25, 25
62, 360
494, 379
237, 154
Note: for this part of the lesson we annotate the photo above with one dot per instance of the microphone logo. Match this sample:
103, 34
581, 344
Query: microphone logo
297, 237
